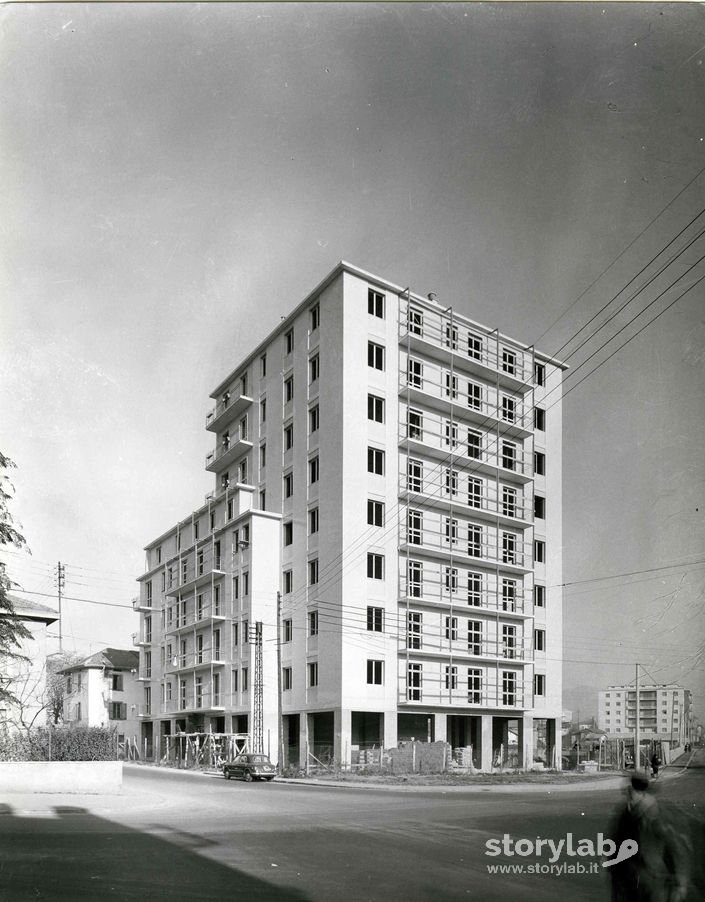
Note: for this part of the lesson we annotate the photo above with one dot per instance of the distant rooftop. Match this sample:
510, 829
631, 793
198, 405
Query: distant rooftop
110, 658
28, 610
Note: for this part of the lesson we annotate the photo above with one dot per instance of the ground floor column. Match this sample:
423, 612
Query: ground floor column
342, 731
390, 740
486, 743
303, 740
440, 727
527, 742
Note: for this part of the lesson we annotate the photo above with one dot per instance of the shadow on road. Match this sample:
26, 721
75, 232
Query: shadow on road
75, 855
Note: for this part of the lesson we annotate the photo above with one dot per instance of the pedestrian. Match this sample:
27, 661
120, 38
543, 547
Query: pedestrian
656, 871
655, 763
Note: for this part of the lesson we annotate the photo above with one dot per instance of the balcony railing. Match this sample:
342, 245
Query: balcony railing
226, 410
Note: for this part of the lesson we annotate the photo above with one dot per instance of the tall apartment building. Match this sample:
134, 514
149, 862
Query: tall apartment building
665, 712
393, 469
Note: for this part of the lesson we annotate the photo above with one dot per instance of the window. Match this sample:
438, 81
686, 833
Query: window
288, 485
288, 533
313, 470
375, 409
216, 601
414, 622
212, 520
509, 361
509, 501
236, 674
509, 546
540, 419
451, 386
509, 641
375, 620
451, 481
539, 684
375, 461
414, 527
539, 552
474, 686
474, 492
474, 444
475, 637
182, 694
242, 429
508, 409
286, 679
509, 594
313, 623
288, 630
375, 513
313, 521
312, 668
375, 673
451, 530
243, 384
315, 317
451, 626
263, 366
451, 434
413, 682
474, 396
314, 419
313, 572
245, 635
289, 390
184, 571
200, 560
414, 424
375, 303
451, 672
289, 437
314, 368
263, 410
262, 457
415, 321
242, 471
245, 675
475, 589
450, 578
199, 648
414, 374
118, 710
245, 585
159, 554
539, 507
474, 346
509, 455
509, 687
116, 683
540, 373
539, 640
451, 336
375, 355
288, 581
474, 540
414, 573
148, 587
539, 463
414, 475
375, 566
147, 666
289, 341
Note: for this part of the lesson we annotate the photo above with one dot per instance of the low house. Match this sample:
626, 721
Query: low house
102, 691
25, 677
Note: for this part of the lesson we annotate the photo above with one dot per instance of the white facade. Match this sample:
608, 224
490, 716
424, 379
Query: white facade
103, 691
665, 712
405, 497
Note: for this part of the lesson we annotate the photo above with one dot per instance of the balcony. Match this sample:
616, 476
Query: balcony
196, 578
495, 650
144, 710
225, 411
516, 466
466, 552
140, 640
225, 454
146, 605
193, 661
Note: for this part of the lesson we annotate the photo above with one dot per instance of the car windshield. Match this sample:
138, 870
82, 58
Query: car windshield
258, 759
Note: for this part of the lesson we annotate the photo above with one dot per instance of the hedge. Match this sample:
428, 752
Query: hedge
64, 744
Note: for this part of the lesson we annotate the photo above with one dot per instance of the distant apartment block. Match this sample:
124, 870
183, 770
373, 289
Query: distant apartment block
103, 691
665, 712
385, 516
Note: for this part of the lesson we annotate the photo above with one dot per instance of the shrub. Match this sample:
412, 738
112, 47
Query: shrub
64, 744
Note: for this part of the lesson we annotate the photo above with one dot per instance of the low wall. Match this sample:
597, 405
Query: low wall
61, 776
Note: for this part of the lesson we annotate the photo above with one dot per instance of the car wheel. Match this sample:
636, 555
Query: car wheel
269, 779
247, 776
226, 774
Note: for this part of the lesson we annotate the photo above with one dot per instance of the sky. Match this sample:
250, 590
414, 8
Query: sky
177, 177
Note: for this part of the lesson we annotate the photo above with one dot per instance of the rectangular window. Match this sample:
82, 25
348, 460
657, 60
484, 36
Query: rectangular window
245, 679
539, 640
245, 634
315, 317
451, 674
451, 482
509, 594
375, 303
375, 513
313, 521
539, 684
313, 623
288, 533
375, 409
243, 384
508, 409
414, 675
474, 686
451, 627
262, 457
509, 641
539, 463
415, 321
313, 470
414, 573
451, 530
216, 601
289, 390
474, 444
289, 341
451, 386
375, 620
539, 373
509, 501
475, 589
539, 596
288, 581
313, 572
414, 475
414, 373
314, 368
539, 552
474, 396
509, 455
375, 673
375, 355
450, 579
242, 471
288, 485
263, 410
288, 630
474, 346
539, 507
375, 566
262, 366
314, 419
289, 437
245, 585
375, 461
312, 669
242, 429
475, 637
451, 336
414, 424
414, 527
474, 492
540, 419
509, 548
451, 434
118, 710
286, 679
474, 540
414, 624
509, 687
509, 361
116, 682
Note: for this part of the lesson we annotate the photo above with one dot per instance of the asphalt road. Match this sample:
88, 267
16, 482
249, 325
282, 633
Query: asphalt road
175, 836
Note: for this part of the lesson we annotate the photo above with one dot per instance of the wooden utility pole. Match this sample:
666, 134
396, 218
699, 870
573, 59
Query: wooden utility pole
637, 738
60, 583
280, 718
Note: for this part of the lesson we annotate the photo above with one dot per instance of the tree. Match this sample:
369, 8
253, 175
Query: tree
12, 630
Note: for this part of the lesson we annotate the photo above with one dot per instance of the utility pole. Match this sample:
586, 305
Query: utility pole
258, 727
637, 759
280, 719
60, 576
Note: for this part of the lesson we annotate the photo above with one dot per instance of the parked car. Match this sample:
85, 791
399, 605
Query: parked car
250, 767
